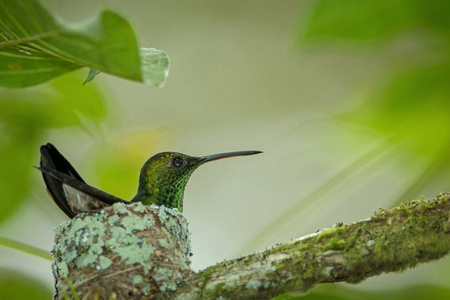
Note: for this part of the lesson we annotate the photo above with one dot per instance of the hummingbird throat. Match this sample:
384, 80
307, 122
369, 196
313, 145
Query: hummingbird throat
162, 191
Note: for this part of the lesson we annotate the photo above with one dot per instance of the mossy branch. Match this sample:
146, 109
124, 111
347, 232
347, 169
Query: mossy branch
141, 252
391, 240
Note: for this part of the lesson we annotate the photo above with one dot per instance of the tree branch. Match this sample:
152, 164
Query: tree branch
391, 240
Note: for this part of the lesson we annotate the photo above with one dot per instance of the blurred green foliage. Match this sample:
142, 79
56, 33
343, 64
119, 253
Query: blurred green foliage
411, 103
25, 115
116, 167
339, 292
362, 21
15, 286
35, 47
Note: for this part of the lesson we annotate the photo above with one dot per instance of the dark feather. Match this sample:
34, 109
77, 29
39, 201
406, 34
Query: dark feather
58, 172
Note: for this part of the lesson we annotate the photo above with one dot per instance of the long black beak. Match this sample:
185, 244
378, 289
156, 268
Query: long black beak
212, 157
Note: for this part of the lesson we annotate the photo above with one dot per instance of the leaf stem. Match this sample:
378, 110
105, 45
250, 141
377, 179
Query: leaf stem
25, 248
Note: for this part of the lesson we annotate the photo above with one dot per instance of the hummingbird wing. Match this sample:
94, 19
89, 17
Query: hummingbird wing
66, 187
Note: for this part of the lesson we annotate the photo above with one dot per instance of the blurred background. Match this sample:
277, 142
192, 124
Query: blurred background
349, 100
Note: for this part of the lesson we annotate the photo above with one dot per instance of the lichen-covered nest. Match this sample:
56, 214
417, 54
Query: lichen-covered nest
126, 251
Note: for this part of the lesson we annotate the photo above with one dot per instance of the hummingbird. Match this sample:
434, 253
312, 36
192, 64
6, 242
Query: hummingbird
162, 181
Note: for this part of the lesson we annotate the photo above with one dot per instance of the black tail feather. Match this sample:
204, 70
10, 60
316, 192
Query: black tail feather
57, 171
52, 159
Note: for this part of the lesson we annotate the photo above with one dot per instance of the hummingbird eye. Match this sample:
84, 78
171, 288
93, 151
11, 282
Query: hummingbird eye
177, 161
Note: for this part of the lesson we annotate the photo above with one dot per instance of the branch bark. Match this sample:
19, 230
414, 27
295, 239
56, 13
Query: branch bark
391, 240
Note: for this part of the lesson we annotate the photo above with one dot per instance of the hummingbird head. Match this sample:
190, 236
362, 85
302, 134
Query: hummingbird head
164, 176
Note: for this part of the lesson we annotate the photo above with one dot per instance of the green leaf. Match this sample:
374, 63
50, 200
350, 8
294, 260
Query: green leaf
15, 286
91, 75
35, 47
21, 69
155, 66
